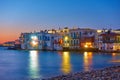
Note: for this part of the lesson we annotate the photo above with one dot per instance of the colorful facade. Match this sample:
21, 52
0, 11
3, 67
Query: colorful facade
109, 41
82, 38
58, 42
77, 38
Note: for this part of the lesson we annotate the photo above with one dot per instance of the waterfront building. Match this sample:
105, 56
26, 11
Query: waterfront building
82, 38
48, 40
41, 40
66, 38
35, 40
116, 31
109, 41
75, 36
58, 41
53, 31
88, 38
28, 40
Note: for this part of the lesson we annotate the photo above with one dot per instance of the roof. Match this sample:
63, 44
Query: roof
82, 29
109, 34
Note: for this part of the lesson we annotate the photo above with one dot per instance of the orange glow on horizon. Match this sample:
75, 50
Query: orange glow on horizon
11, 32
8, 34
5, 38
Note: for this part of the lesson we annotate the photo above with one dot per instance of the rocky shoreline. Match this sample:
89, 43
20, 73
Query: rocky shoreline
109, 73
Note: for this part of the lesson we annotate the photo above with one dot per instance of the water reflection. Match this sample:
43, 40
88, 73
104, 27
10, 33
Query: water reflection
87, 60
33, 64
114, 58
66, 65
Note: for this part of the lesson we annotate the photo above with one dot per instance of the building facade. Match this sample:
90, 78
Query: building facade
109, 41
77, 38
82, 38
40, 40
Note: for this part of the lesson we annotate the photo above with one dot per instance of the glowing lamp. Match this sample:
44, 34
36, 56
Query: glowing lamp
34, 43
34, 37
66, 38
86, 46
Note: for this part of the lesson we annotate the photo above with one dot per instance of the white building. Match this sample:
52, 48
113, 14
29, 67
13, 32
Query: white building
58, 42
29, 40
40, 40
109, 41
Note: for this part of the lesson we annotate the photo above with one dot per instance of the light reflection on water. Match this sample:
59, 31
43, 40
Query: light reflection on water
34, 64
66, 65
44, 64
114, 58
87, 61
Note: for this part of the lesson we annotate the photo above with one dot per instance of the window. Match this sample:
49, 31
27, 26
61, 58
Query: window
72, 35
79, 34
48, 38
90, 32
74, 42
71, 42
39, 37
67, 41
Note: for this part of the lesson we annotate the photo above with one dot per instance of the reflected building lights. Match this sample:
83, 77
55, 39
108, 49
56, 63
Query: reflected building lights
87, 60
114, 58
33, 65
66, 66
113, 54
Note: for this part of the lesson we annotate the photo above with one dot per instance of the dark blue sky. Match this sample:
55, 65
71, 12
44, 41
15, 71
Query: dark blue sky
29, 15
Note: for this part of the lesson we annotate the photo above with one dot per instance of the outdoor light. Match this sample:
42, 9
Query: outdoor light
86, 46
99, 31
66, 38
34, 43
34, 37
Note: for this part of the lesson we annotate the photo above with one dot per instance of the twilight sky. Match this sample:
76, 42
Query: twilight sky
18, 16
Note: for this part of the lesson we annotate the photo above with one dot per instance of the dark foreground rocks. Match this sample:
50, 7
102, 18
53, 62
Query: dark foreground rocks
110, 73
